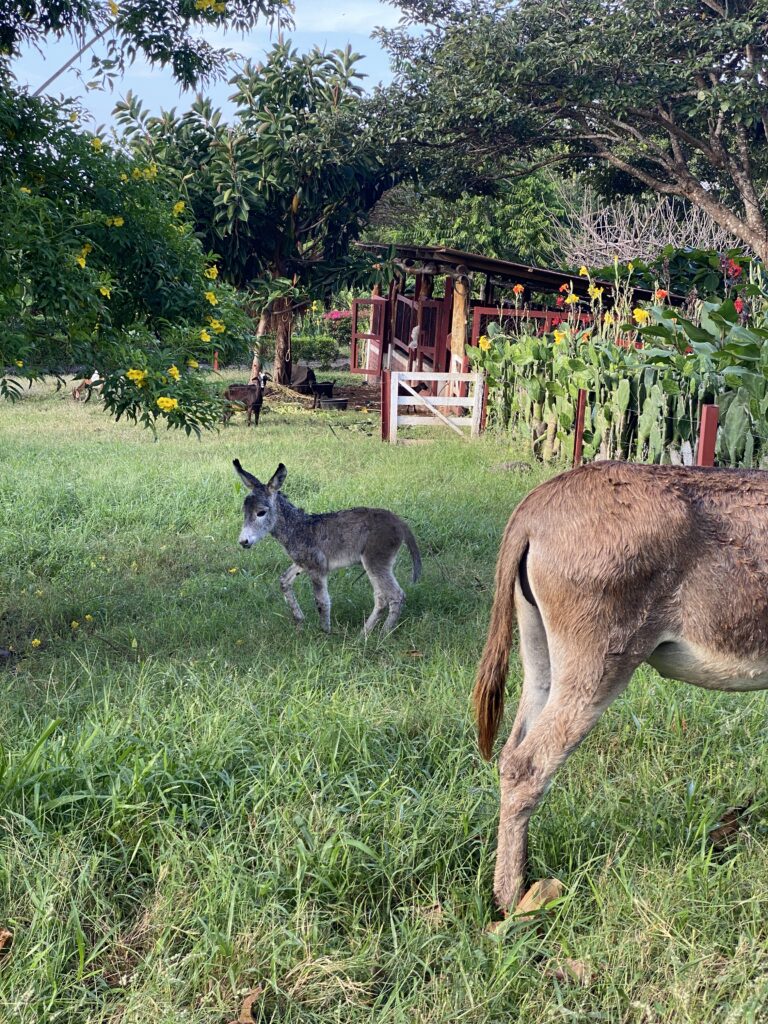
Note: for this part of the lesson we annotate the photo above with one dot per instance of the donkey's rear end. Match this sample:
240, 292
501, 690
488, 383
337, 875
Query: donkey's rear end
609, 566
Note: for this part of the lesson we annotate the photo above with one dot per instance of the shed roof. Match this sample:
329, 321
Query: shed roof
452, 261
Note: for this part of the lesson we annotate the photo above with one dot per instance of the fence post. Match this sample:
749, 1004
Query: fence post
394, 380
705, 454
215, 360
385, 405
578, 440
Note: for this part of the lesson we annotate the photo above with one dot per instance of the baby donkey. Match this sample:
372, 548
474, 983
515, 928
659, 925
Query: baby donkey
320, 543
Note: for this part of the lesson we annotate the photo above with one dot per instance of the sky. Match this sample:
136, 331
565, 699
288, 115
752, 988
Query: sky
318, 22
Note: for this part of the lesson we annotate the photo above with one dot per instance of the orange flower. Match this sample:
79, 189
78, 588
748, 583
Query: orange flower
519, 289
661, 293
564, 287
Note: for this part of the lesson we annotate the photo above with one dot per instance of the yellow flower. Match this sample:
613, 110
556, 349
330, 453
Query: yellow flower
630, 267
570, 299
232, 571
115, 222
123, 176
193, 363
583, 272
25, 190
204, 335
595, 292
19, 363
137, 376
559, 337
87, 248
39, 593
220, 8
73, 116
217, 325
97, 144
106, 292
212, 273
80, 261
149, 173
113, 8
74, 624
89, 618
316, 306
173, 372
211, 297
167, 404
484, 342
642, 316
36, 642
135, 173
608, 319
178, 207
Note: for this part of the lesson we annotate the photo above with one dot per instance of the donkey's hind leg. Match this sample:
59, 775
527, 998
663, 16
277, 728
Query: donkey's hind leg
386, 592
582, 688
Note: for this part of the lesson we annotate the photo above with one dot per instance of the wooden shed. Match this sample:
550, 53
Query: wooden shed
442, 300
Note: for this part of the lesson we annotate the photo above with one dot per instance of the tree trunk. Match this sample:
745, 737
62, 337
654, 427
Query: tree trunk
261, 330
284, 315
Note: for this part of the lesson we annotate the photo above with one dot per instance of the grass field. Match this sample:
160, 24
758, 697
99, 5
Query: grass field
198, 801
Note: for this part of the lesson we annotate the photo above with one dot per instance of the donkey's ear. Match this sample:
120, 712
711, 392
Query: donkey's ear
248, 479
278, 479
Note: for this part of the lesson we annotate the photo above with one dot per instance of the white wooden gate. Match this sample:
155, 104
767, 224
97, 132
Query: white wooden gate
434, 405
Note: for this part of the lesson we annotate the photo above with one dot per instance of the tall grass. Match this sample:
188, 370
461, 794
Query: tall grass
197, 800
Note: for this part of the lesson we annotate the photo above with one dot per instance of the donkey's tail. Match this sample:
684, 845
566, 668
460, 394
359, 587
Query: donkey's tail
491, 679
410, 542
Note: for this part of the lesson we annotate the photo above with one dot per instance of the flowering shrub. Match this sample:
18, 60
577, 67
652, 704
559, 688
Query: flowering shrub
338, 324
99, 269
646, 373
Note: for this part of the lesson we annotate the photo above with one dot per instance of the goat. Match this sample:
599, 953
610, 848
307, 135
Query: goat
249, 396
333, 540
608, 566
87, 385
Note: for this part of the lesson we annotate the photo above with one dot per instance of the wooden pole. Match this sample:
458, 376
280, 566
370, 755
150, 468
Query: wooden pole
385, 385
215, 360
578, 440
705, 455
458, 339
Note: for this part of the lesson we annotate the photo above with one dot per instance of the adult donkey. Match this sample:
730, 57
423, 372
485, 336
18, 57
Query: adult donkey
609, 566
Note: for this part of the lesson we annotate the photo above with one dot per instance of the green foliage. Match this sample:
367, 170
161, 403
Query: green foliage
643, 403
512, 223
97, 270
665, 96
280, 194
702, 272
314, 348
166, 34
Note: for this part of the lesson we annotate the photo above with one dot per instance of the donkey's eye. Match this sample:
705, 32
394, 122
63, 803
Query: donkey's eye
261, 513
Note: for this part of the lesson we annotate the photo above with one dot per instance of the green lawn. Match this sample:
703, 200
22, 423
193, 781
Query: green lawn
198, 800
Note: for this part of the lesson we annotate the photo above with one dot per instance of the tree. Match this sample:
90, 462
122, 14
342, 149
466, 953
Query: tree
671, 98
99, 270
515, 223
283, 192
161, 31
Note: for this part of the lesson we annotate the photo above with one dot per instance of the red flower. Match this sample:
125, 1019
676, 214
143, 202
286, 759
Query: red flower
733, 269
560, 301
519, 289
661, 293
556, 320
739, 304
